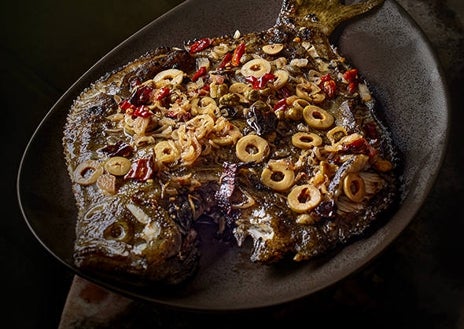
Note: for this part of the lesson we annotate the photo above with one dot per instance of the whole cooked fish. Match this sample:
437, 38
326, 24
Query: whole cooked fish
273, 136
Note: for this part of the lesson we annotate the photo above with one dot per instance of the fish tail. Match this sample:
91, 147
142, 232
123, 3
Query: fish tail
325, 15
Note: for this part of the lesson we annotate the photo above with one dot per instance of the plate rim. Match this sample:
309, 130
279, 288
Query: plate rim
73, 89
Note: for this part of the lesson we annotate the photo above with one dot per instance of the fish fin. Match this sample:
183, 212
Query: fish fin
325, 15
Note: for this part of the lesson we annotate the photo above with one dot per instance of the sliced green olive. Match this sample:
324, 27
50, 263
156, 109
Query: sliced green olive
117, 166
303, 198
252, 148
317, 117
88, 172
278, 175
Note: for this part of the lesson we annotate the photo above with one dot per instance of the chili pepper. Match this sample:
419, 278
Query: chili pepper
204, 91
326, 77
281, 105
125, 104
162, 93
260, 83
200, 45
329, 88
142, 169
142, 111
351, 76
238, 53
352, 86
141, 96
254, 81
360, 146
118, 149
200, 72
268, 77
226, 60
134, 82
328, 85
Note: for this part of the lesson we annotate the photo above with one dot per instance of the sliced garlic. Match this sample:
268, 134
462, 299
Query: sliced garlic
256, 68
221, 49
202, 62
168, 77
87, 172
299, 62
107, 184
281, 78
273, 49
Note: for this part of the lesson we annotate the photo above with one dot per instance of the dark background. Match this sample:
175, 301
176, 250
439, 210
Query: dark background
47, 45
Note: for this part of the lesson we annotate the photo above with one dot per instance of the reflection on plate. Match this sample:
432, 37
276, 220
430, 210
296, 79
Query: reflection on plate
407, 83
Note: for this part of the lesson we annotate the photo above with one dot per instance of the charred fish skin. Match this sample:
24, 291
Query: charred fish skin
321, 15
130, 233
271, 134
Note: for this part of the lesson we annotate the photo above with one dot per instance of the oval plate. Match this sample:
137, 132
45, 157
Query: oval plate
408, 83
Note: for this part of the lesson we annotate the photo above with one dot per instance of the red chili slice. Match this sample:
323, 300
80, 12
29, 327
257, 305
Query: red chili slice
281, 105
360, 146
260, 83
118, 149
204, 91
162, 93
141, 170
199, 73
125, 104
328, 85
326, 77
226, 60
142, 111
351, 76
263, 81
141, 96
329, 88
200, 45
352, 86
238, 53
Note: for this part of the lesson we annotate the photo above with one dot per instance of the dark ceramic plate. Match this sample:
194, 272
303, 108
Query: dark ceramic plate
385, 45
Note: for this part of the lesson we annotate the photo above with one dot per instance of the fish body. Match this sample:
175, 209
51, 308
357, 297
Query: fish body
271, 135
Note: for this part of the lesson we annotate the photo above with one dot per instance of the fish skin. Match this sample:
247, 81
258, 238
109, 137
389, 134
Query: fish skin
172, 255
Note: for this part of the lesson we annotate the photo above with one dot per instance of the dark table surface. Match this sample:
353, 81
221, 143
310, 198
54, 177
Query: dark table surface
418, 282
